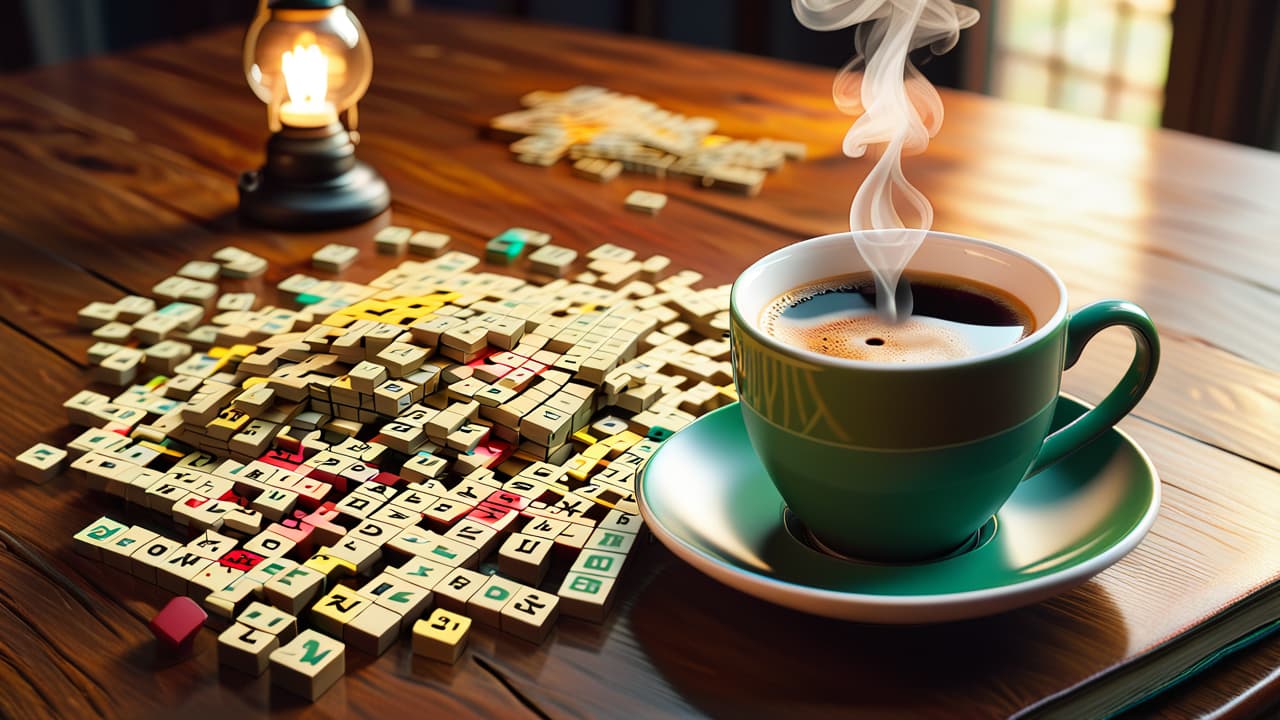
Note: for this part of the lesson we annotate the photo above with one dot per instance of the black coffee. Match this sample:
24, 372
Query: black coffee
952, 318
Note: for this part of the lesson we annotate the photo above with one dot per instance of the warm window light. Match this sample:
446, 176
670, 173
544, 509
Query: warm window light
310, 62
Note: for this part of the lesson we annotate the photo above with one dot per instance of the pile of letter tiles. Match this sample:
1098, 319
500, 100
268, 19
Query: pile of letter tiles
604, 133
439, 447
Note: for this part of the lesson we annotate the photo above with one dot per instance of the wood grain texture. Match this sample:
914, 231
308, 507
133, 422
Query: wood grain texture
126, 169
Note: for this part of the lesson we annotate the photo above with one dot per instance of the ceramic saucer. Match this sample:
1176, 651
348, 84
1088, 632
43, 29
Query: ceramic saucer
705, 495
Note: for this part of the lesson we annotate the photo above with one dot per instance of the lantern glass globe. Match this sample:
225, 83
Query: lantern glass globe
308, 63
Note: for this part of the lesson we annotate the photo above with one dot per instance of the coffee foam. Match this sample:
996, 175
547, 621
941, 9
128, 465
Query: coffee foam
862, 334
867, 337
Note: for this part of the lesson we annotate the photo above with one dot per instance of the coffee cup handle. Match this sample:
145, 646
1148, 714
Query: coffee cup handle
1083, 325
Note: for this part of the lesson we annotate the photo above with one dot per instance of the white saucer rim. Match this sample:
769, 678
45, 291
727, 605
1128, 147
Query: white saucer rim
1049, 584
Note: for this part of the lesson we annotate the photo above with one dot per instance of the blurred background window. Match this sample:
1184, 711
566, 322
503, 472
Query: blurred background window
1104, 58
1210, 67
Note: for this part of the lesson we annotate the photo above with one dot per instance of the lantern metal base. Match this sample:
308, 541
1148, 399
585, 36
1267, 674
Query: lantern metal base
312, 181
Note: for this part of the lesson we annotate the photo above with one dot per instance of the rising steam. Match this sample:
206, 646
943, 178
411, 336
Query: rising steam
898, 109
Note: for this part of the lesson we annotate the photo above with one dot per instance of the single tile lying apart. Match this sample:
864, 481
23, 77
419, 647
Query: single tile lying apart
646, 202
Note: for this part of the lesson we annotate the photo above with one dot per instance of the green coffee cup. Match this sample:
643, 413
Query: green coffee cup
904, 462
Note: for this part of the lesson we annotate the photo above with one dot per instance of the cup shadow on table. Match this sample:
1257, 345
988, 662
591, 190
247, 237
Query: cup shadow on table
725, 651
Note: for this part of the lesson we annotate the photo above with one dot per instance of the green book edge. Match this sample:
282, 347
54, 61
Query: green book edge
1168, 664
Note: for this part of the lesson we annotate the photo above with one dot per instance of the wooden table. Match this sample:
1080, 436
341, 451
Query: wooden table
119, 169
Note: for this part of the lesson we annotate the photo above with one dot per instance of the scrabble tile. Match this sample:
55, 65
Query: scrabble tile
212, 545
358, 505
275, 503
504, 248
645, 202
181, 387
270, 567
375, 533
131, 308
96, 439
453, 592
367, 376
411, 542
138, 483
611, 540
393, 398
525, 558
485, 605
177, 622
654, 265
331, 567
399, 595
446, 511
229, 601
236, 301
94, 537
177, 570
497, 517
400, 359
294, 589
411, 501
266, 618
337, 608
334, 257
422, 572
599, 562
118, 550
545, 527
102, 350
609, 251
622, 522
246, 649
120, 369
431, 244
255, 399
146, 560
211, 579
201, 514
243, 520
166, 355
360, 553
573, 537
373, 630
97, 469
531, 615
96, 314
40, 463
586, 596
114, 332
394, 515
443, 636
244, 266
308, 665
476, 534
392, 240
200, 270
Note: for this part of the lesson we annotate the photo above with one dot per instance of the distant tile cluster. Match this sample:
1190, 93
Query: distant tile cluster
604, 133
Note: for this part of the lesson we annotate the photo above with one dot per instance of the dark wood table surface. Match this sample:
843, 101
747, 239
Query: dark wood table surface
118, 169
